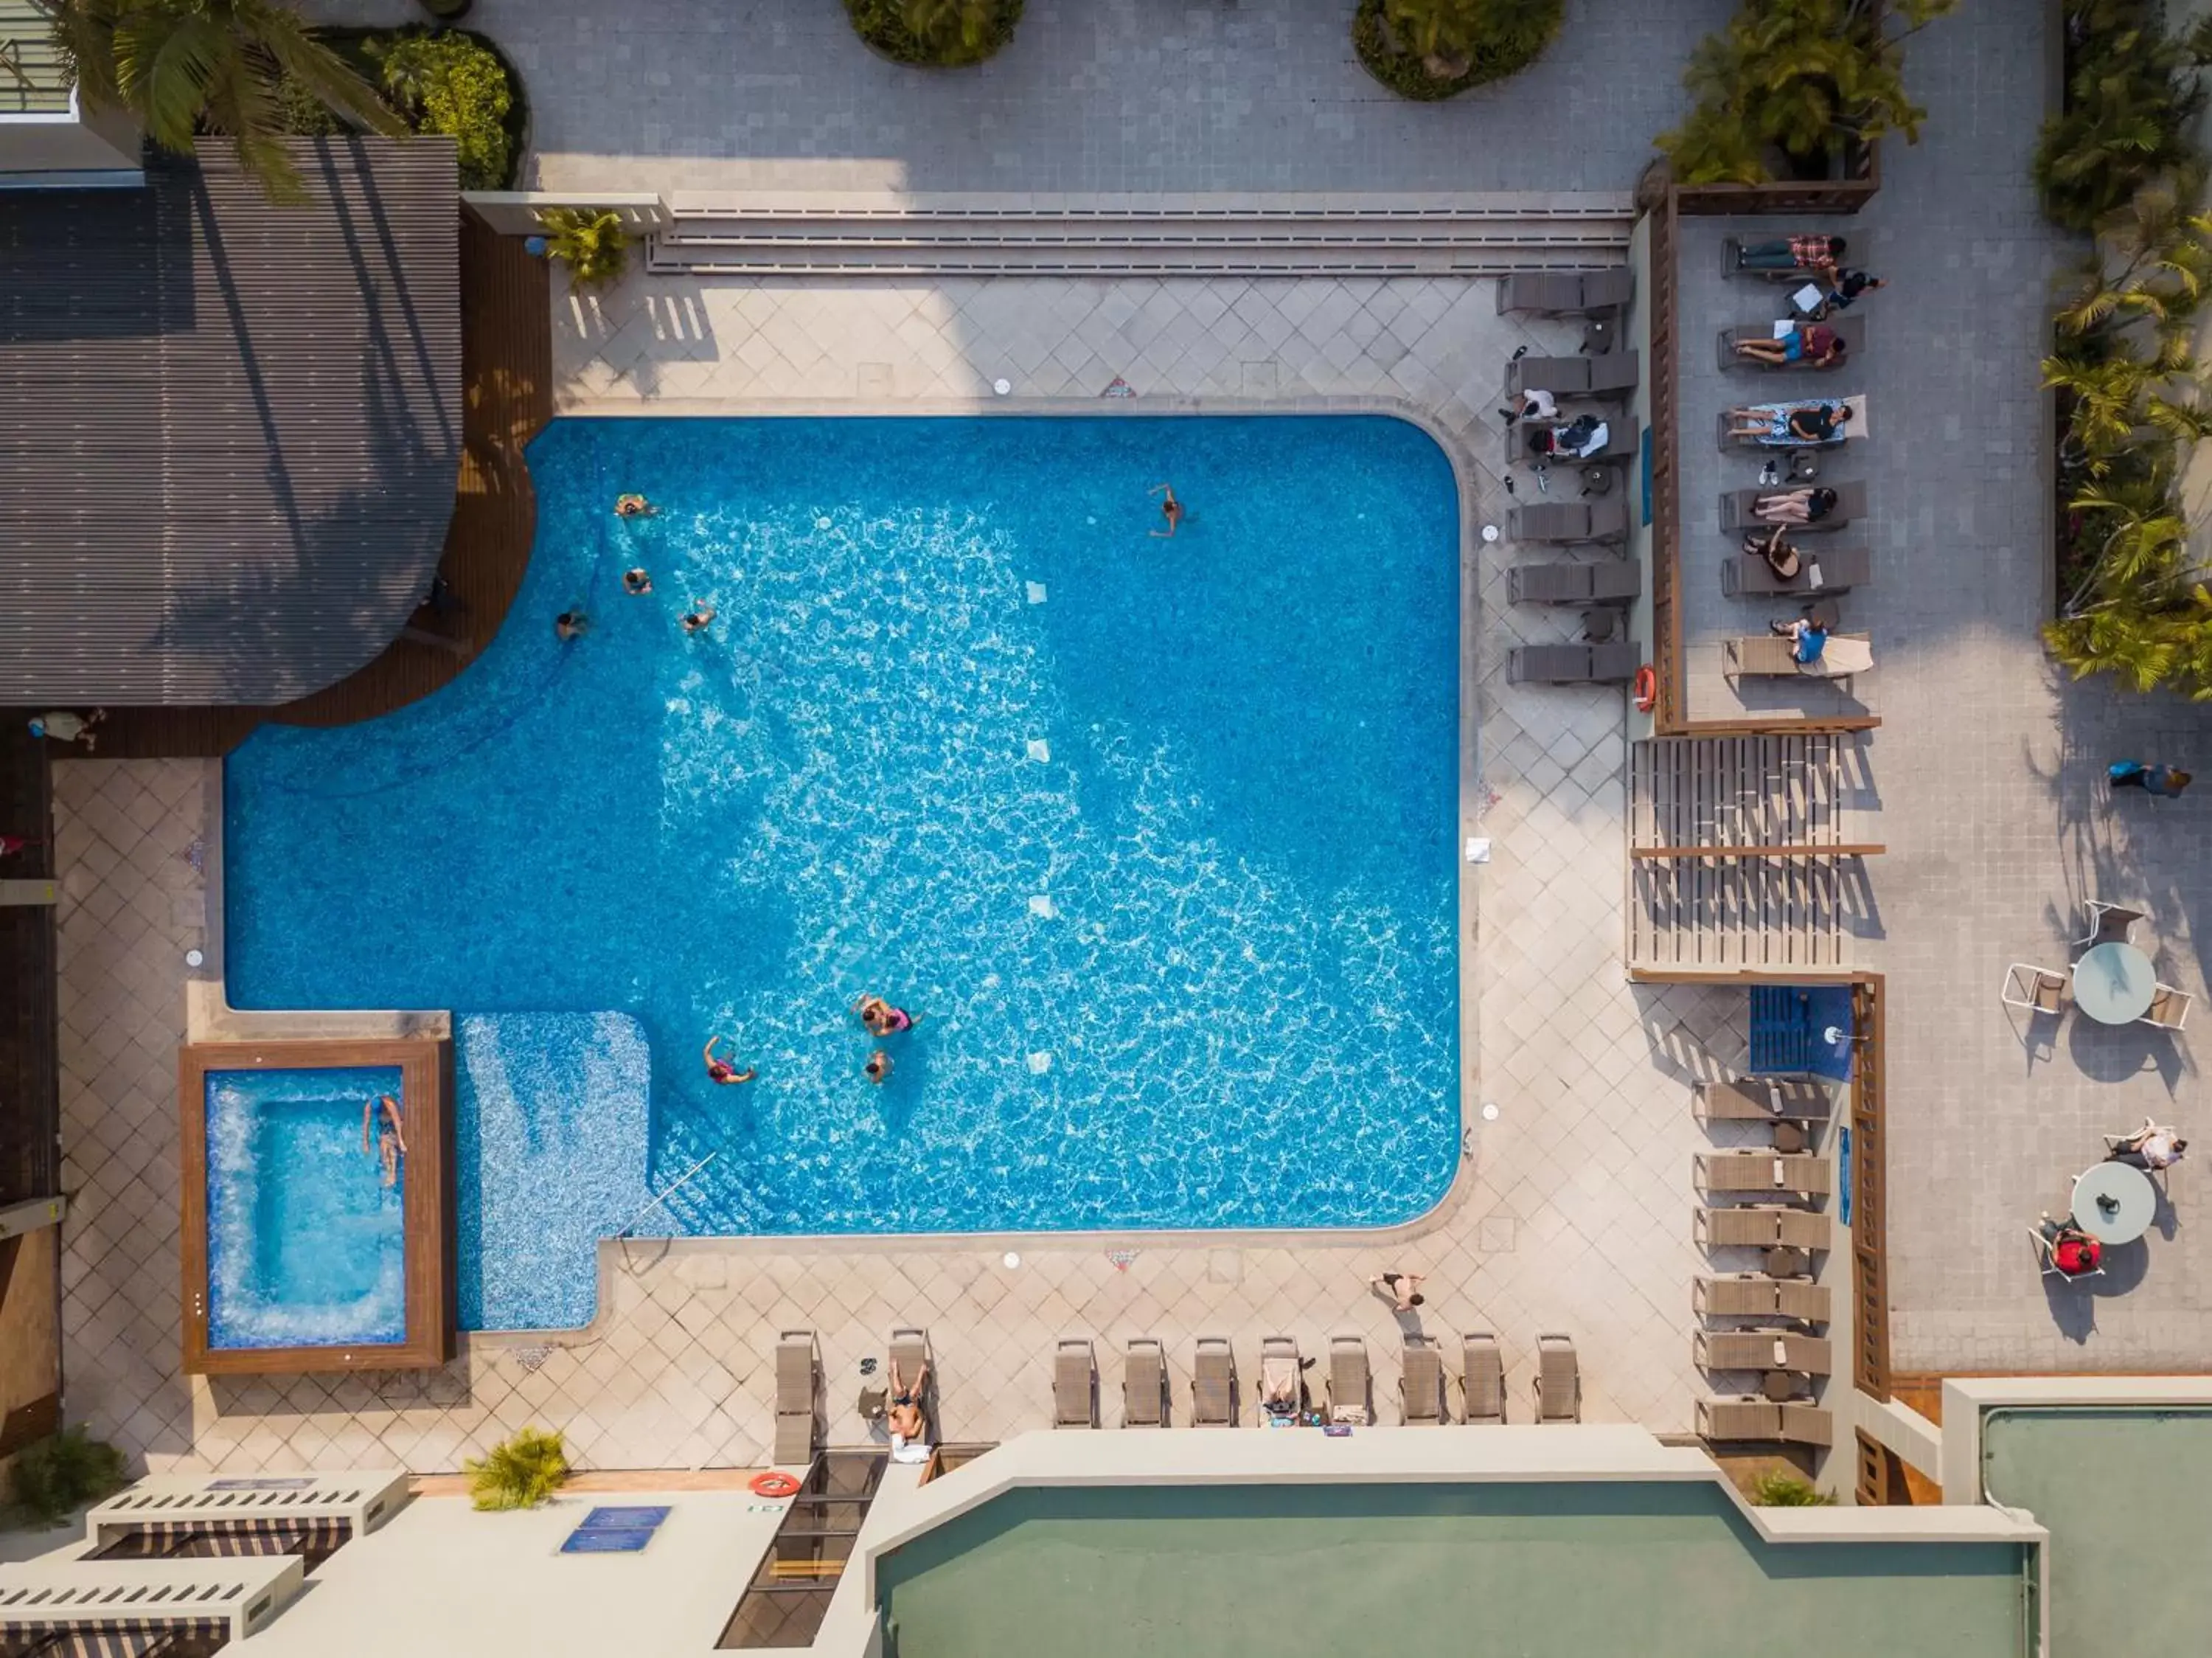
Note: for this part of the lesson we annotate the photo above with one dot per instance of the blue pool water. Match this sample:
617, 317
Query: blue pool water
1156, 836
306, 1244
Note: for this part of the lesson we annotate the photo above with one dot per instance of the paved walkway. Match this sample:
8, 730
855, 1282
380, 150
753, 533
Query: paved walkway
1093, 95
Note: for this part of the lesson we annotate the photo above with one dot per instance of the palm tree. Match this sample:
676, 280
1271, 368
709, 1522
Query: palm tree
945, 25
593, 245
183, 67
1447, 35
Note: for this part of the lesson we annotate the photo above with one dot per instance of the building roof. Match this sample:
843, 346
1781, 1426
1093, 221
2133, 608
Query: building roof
33, 80
229, 431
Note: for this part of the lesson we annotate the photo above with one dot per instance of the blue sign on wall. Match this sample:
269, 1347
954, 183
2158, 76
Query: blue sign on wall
1844, 1173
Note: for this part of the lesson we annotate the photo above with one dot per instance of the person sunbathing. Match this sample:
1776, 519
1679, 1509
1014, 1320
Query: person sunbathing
1775, 548
1795, 422
1798, 506
1807, 345
903, 1414
1808, 639
1818, 255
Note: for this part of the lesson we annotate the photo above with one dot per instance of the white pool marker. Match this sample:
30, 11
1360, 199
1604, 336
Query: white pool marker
822, 524
1010, 1260
1489, 1111
1040, 1063
1041, 904
195, 959
1490, 532
1002, 387
1040, 750
1478, 849
1036, 592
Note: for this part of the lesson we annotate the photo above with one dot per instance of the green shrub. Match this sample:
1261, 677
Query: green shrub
302, 113
452, 84
935, 33
594, 246
1777, 1488
2132, 94
1431, 49
58, 1474
521, 1472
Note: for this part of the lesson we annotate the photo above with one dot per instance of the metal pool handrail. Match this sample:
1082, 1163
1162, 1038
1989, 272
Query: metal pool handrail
665, 1193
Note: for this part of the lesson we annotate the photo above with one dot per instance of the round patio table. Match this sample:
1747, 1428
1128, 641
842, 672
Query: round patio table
2113, 1203
2113, 984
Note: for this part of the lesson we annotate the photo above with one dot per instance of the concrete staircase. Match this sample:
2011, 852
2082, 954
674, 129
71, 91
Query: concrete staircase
1742, 853
860, 234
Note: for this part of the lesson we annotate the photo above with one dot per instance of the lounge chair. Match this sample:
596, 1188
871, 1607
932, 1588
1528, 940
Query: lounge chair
1144, 1383
1761, 1100
1732, 251
1822, 570
2169, 1008
1763, 1349
1850, 332
1771, 656
1802, 1172
1761, 1226
1422, 1400
2109, 923
1612, 663
1776, 411
1613, 581
2039, 989
1603, 375
1808, 1425
1740, 508
1726, 1420
1755, 1295
1481, 1380
1213, 1384
1568, 521
1282, 1393
1351, 1388
2046, 1255
909, 1352
1566, 293
797, 1380
1074, 1384
1559, 1380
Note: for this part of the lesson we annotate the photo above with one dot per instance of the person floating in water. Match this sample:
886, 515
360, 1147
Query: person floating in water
878, 1067
721, 1071
694, 620
881, 1018
636, 580
391, 1143
1170, 510
570, 625
634, 506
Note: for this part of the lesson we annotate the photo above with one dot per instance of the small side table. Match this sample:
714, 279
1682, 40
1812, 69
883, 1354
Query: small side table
1787, 1262
1598, 335
1780, 1387
1598, 480
1790, 1136
874, 1401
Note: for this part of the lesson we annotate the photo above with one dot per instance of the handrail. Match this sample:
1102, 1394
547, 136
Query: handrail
1841, 850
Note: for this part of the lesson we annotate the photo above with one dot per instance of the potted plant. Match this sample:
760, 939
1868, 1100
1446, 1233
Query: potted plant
935, 33
1431, 49
448, 12
519, 1472
593, 244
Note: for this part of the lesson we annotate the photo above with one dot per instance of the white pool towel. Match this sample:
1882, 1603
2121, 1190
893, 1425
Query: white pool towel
908, 1450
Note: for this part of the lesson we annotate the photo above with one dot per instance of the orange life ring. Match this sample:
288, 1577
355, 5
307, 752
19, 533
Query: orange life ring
773, 1483
1647, 689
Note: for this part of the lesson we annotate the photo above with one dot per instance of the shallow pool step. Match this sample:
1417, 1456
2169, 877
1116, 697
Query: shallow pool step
1472, 235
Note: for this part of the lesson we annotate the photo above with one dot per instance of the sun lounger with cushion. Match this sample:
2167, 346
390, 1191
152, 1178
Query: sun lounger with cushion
1820, 569
1740, 508
1610, 582
1559, 1380
797, 1375
1074, 1384
1761, 1100
1777, 411
1351, 1391
1771, 656
1566, 293
1802, 1172
1753, 1295
1849, 330
1603, 375
1613, 663
1566, 521
1282, 1378
1481, 1379
1421, 1380
1144, 1384
1213, 1384
1761, 1226
1763, 1349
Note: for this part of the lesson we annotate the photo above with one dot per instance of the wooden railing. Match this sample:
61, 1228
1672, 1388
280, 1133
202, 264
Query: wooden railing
30, 1040
1870, 1370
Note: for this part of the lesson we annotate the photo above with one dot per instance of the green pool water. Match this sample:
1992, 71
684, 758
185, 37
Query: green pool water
1653, 1569
2126, 1495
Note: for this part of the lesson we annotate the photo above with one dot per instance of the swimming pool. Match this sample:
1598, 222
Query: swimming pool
1155, 836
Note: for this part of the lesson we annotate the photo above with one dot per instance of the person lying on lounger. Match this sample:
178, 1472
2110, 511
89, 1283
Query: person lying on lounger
903, 1416
1817, 254
1791, 422
1799, 506
1808, 345
391, 1143
1580, 438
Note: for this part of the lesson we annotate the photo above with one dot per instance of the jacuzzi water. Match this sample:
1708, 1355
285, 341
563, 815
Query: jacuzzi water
1155, 836
306, 1243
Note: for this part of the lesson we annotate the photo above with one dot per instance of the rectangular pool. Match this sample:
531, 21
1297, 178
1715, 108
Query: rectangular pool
1156, 837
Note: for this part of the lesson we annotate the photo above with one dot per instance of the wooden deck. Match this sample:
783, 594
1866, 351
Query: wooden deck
507, 377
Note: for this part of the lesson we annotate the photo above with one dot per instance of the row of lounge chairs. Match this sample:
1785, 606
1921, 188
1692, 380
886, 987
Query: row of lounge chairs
1425, 1387
798, 1390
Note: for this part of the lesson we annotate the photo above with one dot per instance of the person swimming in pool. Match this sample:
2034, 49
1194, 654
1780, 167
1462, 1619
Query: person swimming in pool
571, 625
634, 506
696, 620
878, 1067
881, 1018
1170, 510
637, 582
391, 1143
721, 1071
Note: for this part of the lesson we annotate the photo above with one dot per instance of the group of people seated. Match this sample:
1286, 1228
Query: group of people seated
1820, 259
2075, 1254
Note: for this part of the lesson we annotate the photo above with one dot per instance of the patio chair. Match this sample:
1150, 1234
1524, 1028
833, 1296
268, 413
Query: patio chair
1422, 1400
1763, 1349
1613, 581
1771, 656
2049, 1261
1213, 1384
1481, 1380
1808, 1303
1351, 1389
2169, 1008
909, 1352
1559, 1380
1726, 1420
1282, 1393
1802, 1172
1755, 1295
1747, 575
1568, 521
1808, 1425
2039, 989
1144, 1383
1849, 330
1761, 1100
1566, 293
2109, 923
1613, 663
798, 1381
1603, 375
1074, 1384
1740, 508
1760, 1226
